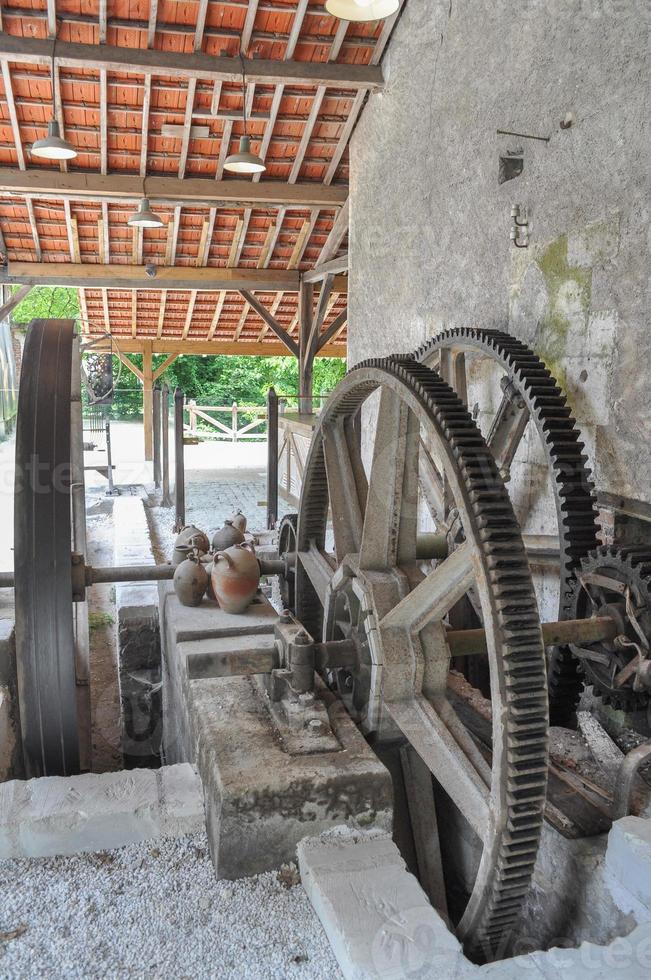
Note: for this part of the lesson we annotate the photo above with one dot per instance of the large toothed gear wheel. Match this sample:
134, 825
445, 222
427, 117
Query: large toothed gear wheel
373, 590
286, 549
616, 582
527, 392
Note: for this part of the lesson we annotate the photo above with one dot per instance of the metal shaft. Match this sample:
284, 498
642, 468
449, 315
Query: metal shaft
465, 643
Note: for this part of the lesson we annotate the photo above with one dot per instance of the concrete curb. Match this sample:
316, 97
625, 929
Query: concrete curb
94, 812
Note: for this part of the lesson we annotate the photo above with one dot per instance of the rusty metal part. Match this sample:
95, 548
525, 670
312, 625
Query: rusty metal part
531, 393
45, 656
465, 643
630, 768
374, 591
616, 582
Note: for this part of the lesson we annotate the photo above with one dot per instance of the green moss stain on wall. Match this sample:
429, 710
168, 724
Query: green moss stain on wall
569, 290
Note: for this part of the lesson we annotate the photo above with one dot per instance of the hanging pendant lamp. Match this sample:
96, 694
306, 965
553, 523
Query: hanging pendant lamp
145, 217
53, 146
244, 161
362, 10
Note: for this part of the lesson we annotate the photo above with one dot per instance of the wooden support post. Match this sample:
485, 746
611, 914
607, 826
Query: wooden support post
156, 420
179, 466
272, 458
306, 353
234, 420
147, 398
165, 444
192, 417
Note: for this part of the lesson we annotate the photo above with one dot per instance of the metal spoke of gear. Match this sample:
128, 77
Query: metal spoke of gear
381, 591
42, 554
532, 393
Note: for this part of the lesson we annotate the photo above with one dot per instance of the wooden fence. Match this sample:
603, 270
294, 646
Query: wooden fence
234, 432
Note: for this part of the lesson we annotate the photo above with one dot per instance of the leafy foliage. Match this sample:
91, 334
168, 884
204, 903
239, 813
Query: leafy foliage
43, 302
207, 379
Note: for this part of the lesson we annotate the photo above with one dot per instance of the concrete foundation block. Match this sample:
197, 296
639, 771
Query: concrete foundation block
628, 858
260, 800
64, 815
139, 652
8, 744
377, 917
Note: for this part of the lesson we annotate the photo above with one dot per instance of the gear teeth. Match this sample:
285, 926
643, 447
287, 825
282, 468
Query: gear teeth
498, 902
572, 481
631, 565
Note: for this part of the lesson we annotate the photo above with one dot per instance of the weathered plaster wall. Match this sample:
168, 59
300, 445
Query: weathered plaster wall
430, 224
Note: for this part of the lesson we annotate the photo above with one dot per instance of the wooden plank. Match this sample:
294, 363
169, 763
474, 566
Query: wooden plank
201, 23
128, 363
189, 314
206, 236
232, 255
240, 325
307, 134
161, 313
183, 64
103, 120
144, 132
187, 126
151, 27
274, 309
247, 30
13, 302
32, 222
96, 276
295, 31
174, 345
162, 368
269, 128
106, 231
86, 186
301, 242
344, 137
13, 117
216, 315
333, 330
52, 17
337, 234
326, 269
134, 313
271, 322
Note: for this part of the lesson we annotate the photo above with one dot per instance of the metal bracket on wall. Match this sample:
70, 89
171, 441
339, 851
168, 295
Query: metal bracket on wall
519, 226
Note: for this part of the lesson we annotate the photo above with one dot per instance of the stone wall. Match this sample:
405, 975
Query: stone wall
430, 222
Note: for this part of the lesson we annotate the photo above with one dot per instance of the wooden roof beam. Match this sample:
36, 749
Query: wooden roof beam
181, 64
189, 192
331, 268
97, 276
271, 321
175, 345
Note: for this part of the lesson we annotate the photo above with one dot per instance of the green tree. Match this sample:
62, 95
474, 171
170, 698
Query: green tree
43, 302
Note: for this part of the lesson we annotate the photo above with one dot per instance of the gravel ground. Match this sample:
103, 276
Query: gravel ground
155, 910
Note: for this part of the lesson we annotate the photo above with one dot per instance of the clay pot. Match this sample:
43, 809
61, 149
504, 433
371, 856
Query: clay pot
189, 536
235, 577
191, 581
208, 560
227, 536
238, 520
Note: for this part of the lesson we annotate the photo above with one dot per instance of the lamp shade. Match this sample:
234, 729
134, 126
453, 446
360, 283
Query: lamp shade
145, 217
244, 161
362, 9
53, 147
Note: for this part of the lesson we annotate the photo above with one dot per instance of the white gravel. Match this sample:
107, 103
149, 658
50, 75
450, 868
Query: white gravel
155, 910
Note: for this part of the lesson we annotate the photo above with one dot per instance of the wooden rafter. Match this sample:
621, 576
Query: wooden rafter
271, 321
180, 64
192, 191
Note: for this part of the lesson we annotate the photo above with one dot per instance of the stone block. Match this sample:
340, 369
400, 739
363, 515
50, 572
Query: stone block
208, 621
377, 917
64, 815
628, 858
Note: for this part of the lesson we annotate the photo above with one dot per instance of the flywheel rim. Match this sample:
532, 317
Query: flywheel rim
518, 676
572, 485
45, 658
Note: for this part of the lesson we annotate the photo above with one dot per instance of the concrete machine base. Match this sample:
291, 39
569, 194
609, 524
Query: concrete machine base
263, 789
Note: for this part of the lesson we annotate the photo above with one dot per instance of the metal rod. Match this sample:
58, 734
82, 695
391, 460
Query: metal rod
626, 779
464, 643
165, 444
179, 465
109, 459
431, 545
156, 422
271, 566
272, 458
128, 573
